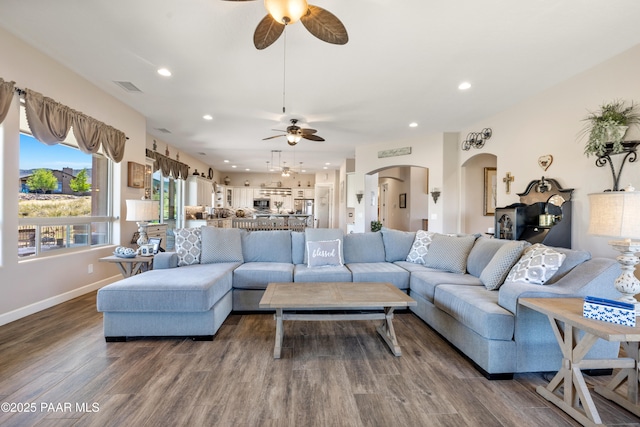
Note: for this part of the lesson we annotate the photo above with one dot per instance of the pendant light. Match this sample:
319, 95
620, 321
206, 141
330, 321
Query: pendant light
286, 11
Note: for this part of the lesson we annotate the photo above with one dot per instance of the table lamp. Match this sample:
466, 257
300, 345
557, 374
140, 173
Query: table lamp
142, 211
617, 214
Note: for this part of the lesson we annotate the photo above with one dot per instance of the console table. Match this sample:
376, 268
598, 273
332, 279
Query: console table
565, 315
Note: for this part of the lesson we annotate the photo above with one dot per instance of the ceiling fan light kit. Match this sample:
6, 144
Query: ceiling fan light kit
286, 11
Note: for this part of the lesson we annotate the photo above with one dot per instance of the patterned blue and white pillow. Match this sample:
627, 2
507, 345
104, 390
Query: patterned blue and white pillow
324, 253
537, 265
188, 245
420, 247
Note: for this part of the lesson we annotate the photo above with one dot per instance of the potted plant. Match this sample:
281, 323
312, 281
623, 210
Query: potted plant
606, 128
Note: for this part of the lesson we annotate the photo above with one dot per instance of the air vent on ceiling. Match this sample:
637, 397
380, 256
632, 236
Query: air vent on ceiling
163, 130
128, 86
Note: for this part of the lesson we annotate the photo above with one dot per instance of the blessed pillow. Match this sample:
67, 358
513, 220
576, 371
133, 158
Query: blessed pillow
188, 245
324, 253
496, 271
449, 253
420, 247
537, 265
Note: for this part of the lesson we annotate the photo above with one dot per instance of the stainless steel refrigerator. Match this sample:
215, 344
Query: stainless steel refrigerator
303, 206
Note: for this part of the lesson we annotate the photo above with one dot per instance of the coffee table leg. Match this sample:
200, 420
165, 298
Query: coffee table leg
387, 332
279, 334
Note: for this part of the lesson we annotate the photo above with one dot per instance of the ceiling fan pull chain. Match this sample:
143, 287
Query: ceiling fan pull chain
284, 71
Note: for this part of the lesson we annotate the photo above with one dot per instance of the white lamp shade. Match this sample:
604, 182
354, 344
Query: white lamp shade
615, 214
142, 210
291, 9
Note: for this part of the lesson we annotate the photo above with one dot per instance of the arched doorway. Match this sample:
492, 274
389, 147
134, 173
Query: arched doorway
402, 201
475, 218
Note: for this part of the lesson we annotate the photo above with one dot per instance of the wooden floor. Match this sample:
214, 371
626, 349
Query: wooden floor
57, 365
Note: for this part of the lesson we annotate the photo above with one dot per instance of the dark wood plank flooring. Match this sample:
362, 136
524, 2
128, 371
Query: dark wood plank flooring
331, 374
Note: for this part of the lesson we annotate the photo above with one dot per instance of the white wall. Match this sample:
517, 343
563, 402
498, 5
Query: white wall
31, 285
549, 124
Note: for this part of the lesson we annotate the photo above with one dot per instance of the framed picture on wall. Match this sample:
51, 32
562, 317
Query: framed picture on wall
135, 177
490, 187
403, 200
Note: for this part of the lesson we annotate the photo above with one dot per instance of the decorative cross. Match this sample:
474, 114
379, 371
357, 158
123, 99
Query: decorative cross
508, 179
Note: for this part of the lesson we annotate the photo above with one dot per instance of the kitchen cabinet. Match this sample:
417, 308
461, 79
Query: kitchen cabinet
199, 191
242, 198
219, 197
304, 193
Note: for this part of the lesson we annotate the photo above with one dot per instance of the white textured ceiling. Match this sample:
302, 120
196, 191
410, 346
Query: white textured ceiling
403, 63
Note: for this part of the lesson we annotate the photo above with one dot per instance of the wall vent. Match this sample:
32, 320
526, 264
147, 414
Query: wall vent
163, 130
128, 86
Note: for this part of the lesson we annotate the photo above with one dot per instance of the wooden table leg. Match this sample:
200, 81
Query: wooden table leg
575, 398
387, 332
279, 334
628, 375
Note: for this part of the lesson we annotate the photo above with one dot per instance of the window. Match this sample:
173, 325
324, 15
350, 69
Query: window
169, 192
63, 197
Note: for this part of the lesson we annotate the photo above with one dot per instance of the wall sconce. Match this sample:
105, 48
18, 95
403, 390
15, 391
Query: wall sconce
476, 139
359, 195
435, 193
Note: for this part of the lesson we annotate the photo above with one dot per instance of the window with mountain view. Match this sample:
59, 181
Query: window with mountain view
63, 198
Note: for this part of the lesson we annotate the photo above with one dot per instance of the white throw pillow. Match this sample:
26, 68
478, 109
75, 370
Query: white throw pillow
537, 265
324, 253
420, 247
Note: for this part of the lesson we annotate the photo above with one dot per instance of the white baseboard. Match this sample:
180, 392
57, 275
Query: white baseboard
50, 302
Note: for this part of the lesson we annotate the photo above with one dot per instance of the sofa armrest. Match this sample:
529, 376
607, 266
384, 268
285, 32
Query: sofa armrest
594, 277
163, 260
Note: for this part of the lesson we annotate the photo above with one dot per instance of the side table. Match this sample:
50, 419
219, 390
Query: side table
129, 266
568, 389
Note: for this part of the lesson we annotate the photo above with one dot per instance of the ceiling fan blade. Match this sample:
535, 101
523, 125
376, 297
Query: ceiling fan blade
271, 137
325, 25
267, 32
312, 137
308, 131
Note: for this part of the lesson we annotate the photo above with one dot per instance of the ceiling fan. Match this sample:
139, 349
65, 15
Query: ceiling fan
318, 21
295, 133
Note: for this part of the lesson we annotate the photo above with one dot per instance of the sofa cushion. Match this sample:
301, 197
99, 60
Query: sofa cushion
481, 253
449, 253
420, 247
573, 258
425, 282
188, 245
476, 308
183, 289
320, 234
266, 246
363, 247
221, 245
380, 272
537, 265
496, 271
257, 275
302, 273
297, 247
324, 253
397, 244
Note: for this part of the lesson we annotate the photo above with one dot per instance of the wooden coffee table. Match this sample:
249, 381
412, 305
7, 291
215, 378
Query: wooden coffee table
336, 296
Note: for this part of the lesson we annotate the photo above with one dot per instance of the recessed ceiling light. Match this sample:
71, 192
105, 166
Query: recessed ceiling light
413, 125
303, 170
207, 117
327, 164
247, 169
324, 167
164, 72
234, 166
226, 161
464, 85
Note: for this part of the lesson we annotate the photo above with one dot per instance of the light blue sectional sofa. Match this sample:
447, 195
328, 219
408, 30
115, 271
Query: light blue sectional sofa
458, 282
